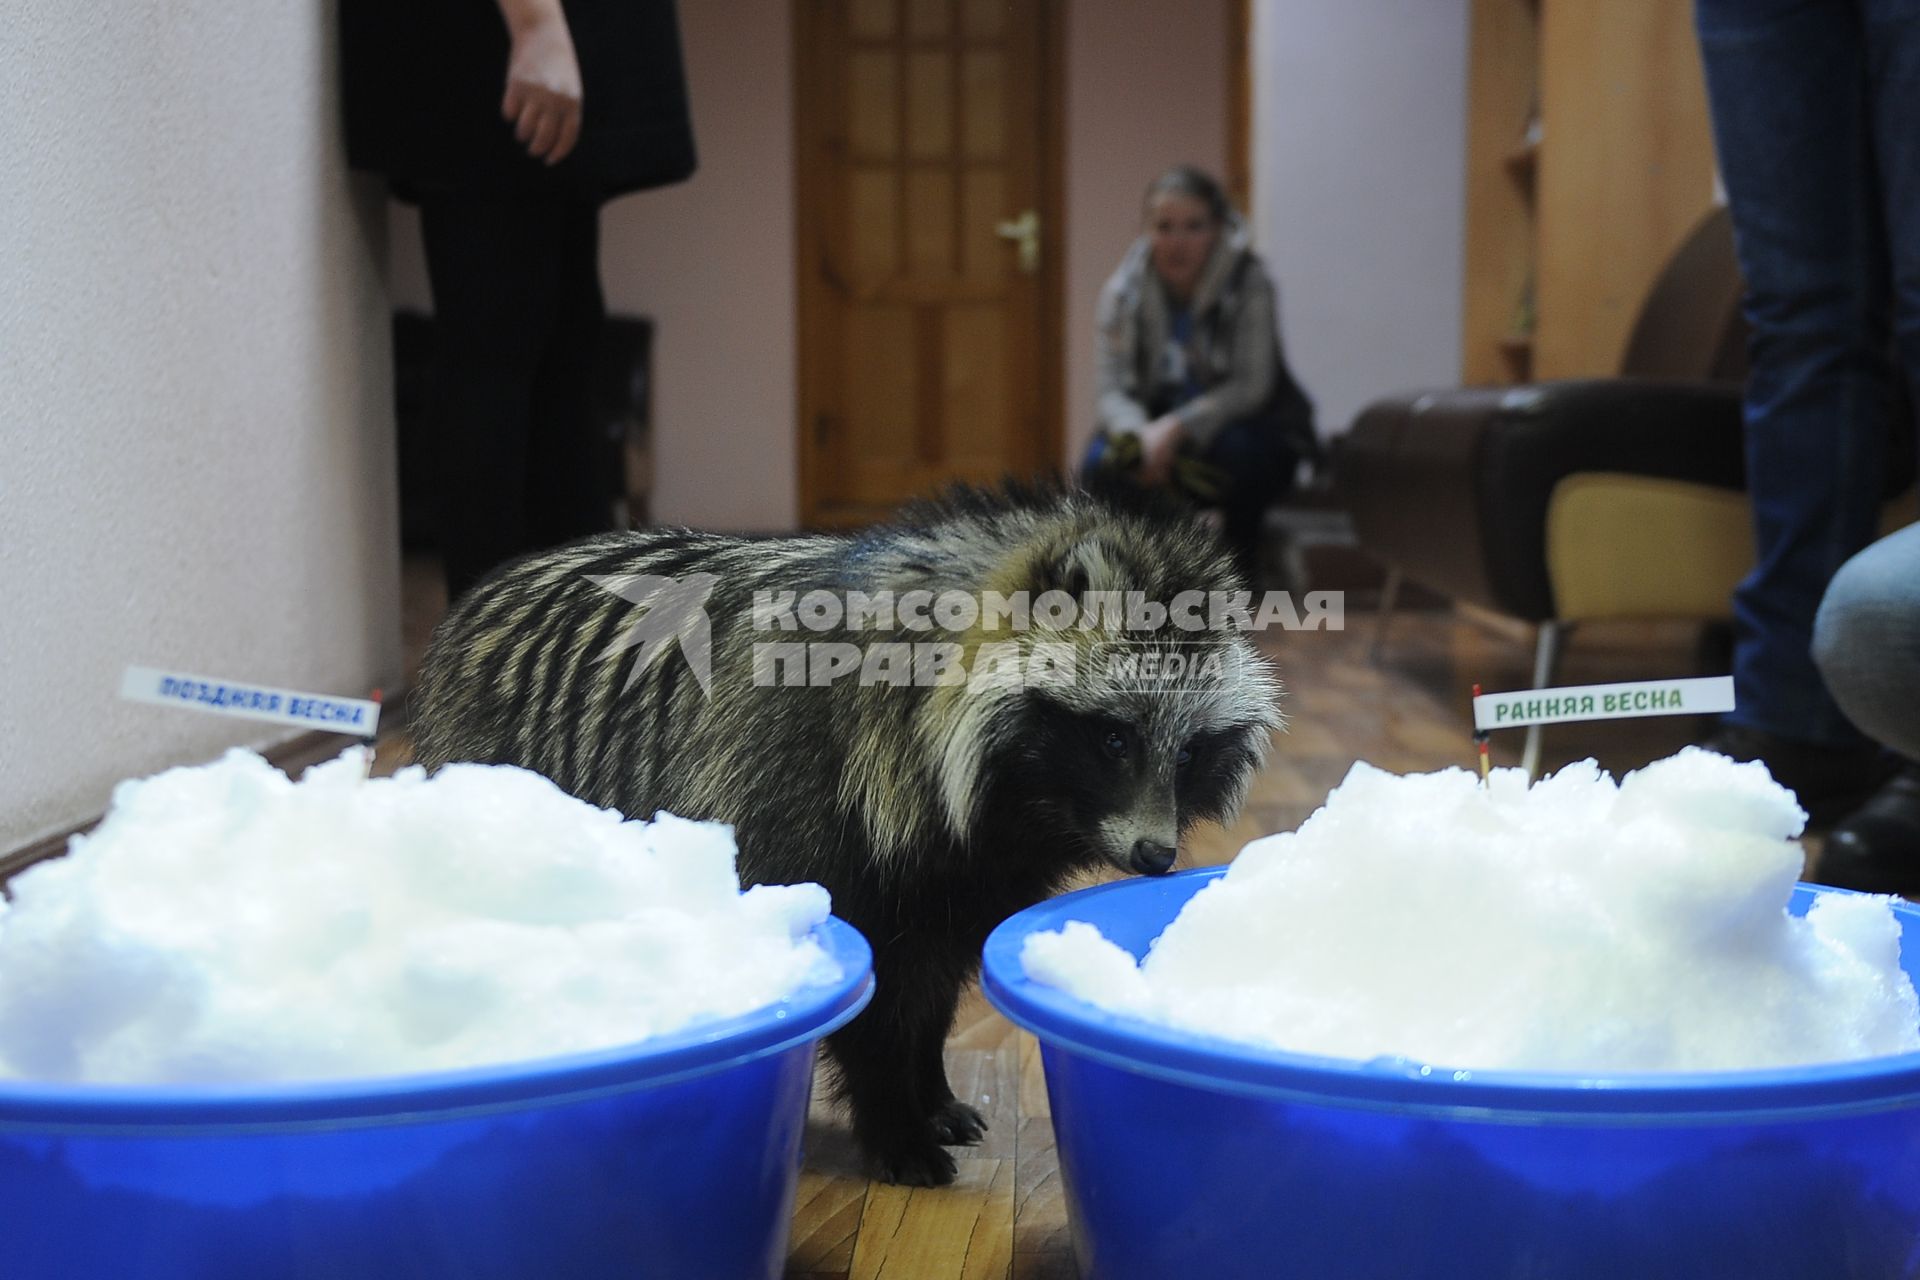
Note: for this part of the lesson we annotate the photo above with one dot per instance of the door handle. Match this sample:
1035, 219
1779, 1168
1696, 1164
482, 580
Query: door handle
1024, 231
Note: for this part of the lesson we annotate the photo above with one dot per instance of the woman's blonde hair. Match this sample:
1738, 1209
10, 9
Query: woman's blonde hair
1197, 183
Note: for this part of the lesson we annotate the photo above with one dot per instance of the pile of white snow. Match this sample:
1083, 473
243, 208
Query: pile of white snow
1577, 925
225, 924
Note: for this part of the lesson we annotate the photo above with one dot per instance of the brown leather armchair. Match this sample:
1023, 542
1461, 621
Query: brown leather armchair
1570, 501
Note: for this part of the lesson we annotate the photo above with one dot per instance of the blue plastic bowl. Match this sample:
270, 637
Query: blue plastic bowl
675, 1157
1186, 1155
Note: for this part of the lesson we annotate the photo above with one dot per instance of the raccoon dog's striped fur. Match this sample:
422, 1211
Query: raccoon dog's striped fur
930, 812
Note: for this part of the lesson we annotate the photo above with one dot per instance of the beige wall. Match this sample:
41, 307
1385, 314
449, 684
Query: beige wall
1359, 141
195, 434
1146, 88
712, 260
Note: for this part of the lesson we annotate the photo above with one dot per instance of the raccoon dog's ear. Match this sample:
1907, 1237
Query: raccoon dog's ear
1068, 573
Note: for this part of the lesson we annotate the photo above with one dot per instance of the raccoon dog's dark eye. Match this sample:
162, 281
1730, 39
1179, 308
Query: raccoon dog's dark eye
1184, 756
1116, 744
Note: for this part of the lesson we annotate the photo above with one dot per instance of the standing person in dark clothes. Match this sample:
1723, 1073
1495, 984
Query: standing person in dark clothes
510, 127
1816, 122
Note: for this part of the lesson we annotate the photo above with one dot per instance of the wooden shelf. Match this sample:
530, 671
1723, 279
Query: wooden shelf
1517, 350
1502, 228
1521, 160
1559, 257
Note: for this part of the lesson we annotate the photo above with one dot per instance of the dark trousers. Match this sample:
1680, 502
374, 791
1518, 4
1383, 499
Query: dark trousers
517, 318
1816, 118
1258, 466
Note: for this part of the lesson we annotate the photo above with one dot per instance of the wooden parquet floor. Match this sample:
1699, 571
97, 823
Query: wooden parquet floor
1006, 1214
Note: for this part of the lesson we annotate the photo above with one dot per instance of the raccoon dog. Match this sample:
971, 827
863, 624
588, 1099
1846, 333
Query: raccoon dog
932, 800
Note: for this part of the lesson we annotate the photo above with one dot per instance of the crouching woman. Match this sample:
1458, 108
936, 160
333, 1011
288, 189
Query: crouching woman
1193, 389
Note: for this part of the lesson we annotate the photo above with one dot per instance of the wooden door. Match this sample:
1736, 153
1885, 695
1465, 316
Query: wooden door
928, 248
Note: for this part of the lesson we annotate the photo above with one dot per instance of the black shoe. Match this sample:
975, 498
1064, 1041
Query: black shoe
1829, 782
1876, 848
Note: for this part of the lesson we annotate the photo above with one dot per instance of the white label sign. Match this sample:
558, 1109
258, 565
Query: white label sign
1603, 702
355, 716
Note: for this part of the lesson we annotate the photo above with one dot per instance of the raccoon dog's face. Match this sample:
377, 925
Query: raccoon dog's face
1124, 782
1160, 720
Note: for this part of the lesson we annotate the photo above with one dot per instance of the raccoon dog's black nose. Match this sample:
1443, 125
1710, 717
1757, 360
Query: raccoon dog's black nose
1151, 859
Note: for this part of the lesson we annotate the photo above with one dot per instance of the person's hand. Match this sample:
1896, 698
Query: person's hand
1159, 444
543, 85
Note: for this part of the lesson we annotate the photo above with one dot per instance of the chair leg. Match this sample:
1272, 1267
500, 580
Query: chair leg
1546, 661
1389, 595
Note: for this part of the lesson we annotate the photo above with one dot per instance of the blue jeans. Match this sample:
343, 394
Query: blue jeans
1816, 118
1867, 640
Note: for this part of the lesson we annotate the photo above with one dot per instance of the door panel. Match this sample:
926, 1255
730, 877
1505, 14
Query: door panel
925, 127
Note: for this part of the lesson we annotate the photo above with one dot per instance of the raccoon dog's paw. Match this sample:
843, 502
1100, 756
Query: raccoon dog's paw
922, 1164
958, 1125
